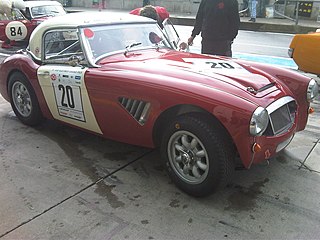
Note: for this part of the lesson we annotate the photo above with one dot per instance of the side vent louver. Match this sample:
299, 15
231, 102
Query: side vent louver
138, 109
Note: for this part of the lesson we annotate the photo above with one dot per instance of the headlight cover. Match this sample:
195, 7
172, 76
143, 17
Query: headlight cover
259, 121
312, 90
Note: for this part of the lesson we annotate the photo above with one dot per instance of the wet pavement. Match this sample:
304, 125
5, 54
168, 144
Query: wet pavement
61, 183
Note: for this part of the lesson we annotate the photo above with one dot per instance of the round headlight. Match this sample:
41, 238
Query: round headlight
259, 121
312, 90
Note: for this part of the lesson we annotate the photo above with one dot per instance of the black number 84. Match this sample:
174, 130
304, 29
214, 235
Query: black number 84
15, 31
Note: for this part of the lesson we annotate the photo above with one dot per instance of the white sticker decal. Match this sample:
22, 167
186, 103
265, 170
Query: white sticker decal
16, 31
67, 90
207, 65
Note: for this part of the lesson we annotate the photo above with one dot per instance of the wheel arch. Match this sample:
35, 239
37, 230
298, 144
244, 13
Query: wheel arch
35, 86
13, 71
178, 110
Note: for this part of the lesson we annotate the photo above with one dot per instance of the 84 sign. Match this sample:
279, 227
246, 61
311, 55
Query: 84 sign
16, 31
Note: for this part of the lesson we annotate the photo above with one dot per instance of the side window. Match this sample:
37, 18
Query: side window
17, 15
3, 17
60, 45
13, 15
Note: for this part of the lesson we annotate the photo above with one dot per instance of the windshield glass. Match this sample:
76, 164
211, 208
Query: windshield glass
101, 41
40, 11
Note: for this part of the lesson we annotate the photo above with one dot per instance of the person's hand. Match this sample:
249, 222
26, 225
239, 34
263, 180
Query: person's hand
183, 46
190, 41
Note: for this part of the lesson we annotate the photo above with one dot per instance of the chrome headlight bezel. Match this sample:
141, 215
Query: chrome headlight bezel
259, 121
312, 90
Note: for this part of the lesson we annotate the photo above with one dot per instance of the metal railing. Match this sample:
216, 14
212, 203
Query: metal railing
285, 2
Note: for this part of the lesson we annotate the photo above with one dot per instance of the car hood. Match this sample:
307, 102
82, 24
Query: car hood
218, 72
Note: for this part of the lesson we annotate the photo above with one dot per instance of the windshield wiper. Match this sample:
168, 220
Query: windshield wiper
131, 46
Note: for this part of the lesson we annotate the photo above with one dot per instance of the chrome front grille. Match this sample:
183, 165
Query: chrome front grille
281, 115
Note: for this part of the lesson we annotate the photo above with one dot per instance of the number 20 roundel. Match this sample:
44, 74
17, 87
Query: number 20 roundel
16, 31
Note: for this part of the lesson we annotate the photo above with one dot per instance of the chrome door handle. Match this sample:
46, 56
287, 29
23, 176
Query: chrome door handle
44, 74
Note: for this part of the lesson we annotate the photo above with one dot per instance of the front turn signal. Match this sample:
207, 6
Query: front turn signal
256, 148
311, 110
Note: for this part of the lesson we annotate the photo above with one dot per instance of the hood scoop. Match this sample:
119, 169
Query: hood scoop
253, 91
233, 73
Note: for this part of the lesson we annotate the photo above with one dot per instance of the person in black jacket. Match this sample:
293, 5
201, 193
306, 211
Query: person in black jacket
218, 21
145, 3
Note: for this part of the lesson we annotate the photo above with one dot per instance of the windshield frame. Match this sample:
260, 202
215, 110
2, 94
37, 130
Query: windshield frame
61, 11
137, 45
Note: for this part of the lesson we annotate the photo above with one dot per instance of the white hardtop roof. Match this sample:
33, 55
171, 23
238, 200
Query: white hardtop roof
91, 18
30, 4
80, 19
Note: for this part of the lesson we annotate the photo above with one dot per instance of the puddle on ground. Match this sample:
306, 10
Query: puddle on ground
244, 199
70, 141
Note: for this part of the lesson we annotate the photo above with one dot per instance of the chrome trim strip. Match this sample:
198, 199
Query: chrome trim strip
279, 103
284, 144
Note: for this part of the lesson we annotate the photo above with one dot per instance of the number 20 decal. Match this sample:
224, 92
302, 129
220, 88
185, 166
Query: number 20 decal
16, 31
221, 65
67, 99
69, 102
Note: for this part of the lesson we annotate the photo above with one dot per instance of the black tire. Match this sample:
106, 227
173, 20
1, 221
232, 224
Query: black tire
23, 100
198, 155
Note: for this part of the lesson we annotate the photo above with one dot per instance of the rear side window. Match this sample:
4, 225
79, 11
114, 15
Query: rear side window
60, 45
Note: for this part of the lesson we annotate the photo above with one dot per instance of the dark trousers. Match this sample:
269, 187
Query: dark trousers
214, 47
145, 2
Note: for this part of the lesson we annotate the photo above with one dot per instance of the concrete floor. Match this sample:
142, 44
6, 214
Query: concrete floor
60, 183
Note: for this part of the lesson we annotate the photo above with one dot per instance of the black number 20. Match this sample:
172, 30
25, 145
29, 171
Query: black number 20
67, 99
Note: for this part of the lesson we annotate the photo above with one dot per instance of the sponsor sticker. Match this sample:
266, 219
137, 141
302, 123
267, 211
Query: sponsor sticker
67, 90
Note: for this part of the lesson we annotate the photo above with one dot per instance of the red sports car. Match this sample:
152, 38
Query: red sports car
119, 76
19, 25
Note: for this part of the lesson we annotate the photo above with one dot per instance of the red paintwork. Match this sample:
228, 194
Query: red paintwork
30, 25
166, 81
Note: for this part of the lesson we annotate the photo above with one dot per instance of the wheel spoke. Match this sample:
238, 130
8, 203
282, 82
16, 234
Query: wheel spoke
179, 148
185, 143
178, 159
22, 89
195, 172
201, 165
200, 153
194, 143
186, 170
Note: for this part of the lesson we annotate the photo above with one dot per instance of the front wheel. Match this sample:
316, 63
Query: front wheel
198, 154
23, 100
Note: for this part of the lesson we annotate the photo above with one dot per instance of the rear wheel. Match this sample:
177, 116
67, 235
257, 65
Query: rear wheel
198, 154
23, 100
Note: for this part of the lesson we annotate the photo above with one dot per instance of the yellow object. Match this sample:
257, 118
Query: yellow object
306, 52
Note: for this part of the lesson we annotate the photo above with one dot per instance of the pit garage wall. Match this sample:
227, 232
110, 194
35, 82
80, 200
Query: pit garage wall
187, 6
176, 6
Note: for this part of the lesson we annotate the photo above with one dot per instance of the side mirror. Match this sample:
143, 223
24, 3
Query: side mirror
154, 38
74, 61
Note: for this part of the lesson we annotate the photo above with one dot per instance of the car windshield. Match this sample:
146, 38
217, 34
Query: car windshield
15, 15
102, 41
49, 10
